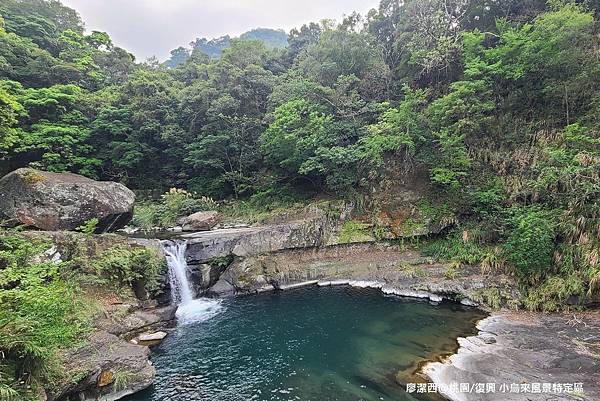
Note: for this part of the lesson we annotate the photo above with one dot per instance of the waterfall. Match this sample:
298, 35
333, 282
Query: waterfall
189, 310
181, 291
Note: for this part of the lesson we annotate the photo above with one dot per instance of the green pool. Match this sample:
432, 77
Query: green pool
311, 344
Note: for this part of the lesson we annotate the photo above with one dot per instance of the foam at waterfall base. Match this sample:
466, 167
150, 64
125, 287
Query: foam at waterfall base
198, 310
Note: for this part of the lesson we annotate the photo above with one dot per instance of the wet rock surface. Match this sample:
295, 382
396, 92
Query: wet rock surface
532, 351
63, 201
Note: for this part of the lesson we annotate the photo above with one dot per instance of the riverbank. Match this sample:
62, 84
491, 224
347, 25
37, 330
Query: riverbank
524, 355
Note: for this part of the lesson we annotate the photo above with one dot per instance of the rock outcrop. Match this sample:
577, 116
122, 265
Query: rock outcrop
276, 256
525, 356
210, 252
388, 266
110, 364
63, 201
200, 221
101, 361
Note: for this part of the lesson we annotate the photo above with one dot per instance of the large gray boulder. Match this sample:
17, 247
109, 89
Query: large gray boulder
200, 221
63, 201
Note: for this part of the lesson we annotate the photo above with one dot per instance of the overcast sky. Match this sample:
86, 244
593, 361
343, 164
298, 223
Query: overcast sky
154, 27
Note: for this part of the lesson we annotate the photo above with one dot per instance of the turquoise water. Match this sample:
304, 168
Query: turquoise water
313, 344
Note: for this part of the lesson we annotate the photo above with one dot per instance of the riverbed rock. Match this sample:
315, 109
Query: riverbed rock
222, 287
151, 337
312, 231
533, 356
136, 321
115, 348
200, 221
63, 201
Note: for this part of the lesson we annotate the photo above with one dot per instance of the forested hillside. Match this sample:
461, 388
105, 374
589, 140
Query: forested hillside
497, 100
271, 38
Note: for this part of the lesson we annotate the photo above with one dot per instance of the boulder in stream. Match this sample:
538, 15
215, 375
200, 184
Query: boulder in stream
63, 201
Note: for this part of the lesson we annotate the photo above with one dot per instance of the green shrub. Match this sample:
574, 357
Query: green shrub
491, 297
530, 246
453, 270
551, 295
128, 267
40, 313
89, 227
174, 204
122, 380
453, 247
221, 262
145, 216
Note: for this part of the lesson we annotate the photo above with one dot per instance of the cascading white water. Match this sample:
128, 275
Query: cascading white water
181, 291
189, 310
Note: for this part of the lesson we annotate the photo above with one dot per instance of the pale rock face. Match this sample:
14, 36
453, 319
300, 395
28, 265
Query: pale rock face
524, 348
151, 337
63, 201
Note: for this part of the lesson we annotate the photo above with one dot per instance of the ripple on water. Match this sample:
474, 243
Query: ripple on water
311, 344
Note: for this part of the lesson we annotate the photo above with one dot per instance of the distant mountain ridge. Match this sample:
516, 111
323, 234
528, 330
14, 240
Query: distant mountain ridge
272, 38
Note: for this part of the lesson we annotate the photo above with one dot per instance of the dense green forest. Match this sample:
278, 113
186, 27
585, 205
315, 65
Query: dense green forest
497, 100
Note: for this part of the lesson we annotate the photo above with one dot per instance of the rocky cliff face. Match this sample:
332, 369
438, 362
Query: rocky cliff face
394, 268
314, 249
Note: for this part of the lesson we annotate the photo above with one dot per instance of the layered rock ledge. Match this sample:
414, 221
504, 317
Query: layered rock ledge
313, 247
546, 357
257, 259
